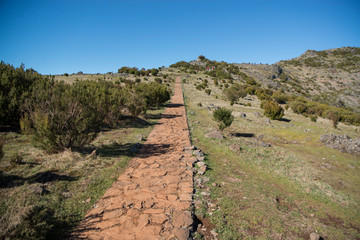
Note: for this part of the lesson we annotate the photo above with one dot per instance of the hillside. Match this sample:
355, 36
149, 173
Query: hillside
330, 76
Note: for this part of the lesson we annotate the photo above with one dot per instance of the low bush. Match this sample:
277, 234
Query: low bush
224, 117
234, 92
313, 118
154, 94
272, 110
64, 116
280, 97
158, 80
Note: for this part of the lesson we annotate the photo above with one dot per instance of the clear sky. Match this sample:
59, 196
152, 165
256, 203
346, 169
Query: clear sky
55, 37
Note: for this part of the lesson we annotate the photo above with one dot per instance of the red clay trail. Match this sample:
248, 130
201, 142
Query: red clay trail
152, 198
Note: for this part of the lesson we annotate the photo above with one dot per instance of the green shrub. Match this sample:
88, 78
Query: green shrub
250, 81
158, 80
298, 107
64, 116
234, 93
313, 118
208, 91
272, 110
280, 97
15, 86
263, 94
201, 86
154, 94
224, 117
250, 89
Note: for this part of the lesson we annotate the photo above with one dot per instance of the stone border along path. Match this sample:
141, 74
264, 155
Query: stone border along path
152, 199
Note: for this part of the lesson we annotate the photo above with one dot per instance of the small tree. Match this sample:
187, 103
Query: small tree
272, 110
224, 117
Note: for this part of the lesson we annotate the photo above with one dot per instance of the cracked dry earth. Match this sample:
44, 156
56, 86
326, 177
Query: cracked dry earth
152, 198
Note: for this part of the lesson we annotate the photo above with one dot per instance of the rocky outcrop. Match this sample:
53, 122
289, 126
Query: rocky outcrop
344, 143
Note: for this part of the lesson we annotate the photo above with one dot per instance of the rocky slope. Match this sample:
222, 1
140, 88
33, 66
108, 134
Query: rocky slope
330, 76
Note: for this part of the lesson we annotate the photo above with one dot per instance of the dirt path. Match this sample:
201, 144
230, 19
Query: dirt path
152, 198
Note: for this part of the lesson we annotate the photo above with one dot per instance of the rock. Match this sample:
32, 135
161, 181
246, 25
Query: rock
198, 153
187, 148
257, 114
92, 154
182, 233
202, 170
199, 182
344, 143
139, 138
206, 179
182, 219
36, 189
200, 158
215, 134
200, 164
263, 144
214, 234
211, 205
243, 115
314, 236
191, 113
267, 120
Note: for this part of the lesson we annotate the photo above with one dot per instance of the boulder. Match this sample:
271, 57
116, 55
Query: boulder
198, 153
200, 164
314, 236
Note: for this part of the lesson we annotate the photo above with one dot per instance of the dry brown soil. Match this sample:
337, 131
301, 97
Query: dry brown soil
152, 198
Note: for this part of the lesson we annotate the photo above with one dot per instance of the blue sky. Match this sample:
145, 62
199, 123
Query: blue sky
55, 37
